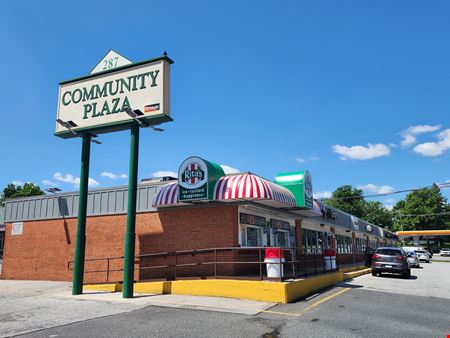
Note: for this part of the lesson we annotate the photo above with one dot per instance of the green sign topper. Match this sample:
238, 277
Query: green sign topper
197, 179
300, 184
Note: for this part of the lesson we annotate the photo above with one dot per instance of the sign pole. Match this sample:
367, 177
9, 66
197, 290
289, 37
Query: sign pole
130, 236
80, 241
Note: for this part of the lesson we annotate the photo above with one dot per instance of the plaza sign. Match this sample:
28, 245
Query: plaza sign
97, 102
116, 95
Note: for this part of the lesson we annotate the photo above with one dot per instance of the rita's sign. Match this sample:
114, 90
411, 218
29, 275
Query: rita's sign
197, 178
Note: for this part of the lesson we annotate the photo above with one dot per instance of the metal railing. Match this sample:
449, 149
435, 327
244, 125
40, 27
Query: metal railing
225, 262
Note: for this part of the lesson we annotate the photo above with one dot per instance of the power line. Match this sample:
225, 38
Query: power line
439, 185
425, 215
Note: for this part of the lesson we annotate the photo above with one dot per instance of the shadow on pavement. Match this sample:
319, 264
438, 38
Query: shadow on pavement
386, 275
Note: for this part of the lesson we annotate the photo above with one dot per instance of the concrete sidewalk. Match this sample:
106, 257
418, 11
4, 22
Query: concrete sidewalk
27, 306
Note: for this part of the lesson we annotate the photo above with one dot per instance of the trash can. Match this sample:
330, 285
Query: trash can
329, 256
272, 259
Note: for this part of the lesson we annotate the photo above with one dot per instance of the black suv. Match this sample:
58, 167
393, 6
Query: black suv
390, 260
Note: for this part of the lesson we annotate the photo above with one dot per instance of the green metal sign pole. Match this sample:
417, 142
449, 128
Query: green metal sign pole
80, 241
130, 237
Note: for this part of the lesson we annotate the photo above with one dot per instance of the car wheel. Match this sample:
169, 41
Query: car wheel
406, 274
374, 274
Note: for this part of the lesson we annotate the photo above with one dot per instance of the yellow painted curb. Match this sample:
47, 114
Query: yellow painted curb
103, 287
349, 275
278, 292
353, 268
254, 290
157, 288
304, 287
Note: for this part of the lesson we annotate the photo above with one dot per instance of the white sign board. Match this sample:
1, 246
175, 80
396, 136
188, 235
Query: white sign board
97, 102
110, 60
17, 229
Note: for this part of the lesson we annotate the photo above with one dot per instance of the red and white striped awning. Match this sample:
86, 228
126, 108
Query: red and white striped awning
168, 195
252, 187
247, 186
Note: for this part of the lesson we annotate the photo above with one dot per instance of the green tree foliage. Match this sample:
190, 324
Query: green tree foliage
28, 189
348, 199
376, 213
419, 202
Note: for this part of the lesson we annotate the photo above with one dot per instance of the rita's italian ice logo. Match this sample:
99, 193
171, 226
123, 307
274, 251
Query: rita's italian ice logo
193, 173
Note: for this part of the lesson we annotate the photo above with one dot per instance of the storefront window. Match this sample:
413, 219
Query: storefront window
315, 241
360, 244
282, 239
344, 244
254, 236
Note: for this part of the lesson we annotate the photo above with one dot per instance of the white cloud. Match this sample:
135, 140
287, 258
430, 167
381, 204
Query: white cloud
410, 135
322, 194
310, 158
163, 173
376, 189
17, 182
388, 206
389, 203
68, 178
361, 152
431, 149
113, 176
229, 170
49, 183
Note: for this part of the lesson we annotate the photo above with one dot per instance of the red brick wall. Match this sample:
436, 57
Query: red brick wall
45, 247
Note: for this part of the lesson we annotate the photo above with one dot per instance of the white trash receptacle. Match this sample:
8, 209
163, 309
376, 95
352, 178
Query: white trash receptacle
274, 268
329, 257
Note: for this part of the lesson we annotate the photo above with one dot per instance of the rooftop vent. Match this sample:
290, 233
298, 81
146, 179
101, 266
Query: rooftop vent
154, 180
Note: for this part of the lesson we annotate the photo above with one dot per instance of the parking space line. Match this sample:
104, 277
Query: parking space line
310, 307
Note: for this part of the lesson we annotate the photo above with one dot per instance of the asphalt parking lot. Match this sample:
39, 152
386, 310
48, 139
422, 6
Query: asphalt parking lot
366, 306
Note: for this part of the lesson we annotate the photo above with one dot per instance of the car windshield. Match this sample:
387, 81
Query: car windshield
389, 252
445, 249
420, 251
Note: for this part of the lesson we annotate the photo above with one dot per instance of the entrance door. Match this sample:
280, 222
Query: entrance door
282, 238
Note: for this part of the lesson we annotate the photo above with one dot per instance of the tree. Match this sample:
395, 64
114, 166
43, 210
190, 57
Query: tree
376, 213
427, 201
28, 189
348, 199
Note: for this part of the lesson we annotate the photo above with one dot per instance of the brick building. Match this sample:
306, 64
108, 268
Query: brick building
241, 211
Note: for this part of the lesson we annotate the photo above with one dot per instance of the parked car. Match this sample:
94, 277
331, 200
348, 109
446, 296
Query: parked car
423, 255
445, 252
413, 259
389, 259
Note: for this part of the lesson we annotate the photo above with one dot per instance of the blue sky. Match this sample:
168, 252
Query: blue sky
262, 86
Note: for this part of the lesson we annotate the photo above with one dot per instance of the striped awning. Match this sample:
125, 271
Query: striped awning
168, 195
252, 187
316, 208
314, 212
247, 187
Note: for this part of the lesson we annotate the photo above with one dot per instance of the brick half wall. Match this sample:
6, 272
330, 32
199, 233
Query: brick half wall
45, 247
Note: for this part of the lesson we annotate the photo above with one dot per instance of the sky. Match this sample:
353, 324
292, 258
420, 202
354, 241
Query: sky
357, 92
